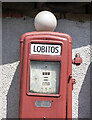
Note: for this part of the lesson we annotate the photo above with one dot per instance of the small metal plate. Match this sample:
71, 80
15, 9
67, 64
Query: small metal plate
42, 103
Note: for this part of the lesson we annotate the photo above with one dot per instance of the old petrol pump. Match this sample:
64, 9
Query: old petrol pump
46, 75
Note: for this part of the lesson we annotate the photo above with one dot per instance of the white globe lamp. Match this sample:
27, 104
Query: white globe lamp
45, 21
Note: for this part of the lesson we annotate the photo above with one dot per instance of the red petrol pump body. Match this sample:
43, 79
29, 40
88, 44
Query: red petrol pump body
45, 75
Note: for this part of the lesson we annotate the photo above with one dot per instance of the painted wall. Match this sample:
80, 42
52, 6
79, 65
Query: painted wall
13, 28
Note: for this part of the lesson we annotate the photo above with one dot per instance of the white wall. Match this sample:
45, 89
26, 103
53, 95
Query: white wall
13, 28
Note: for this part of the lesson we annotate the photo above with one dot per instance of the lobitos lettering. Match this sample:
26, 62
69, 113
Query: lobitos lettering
46, 49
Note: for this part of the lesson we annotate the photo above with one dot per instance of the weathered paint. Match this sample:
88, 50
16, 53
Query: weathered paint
62, 102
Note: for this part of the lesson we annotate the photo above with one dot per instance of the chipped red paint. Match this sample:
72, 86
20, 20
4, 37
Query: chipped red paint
61, 104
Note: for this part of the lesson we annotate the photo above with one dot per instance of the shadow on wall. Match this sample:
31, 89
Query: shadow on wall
13, 97
84, 96
12, 30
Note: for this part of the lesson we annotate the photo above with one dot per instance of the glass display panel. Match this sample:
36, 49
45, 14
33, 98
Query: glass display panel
44, 77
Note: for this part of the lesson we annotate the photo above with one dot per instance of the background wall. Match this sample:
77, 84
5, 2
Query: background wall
73, 19
13, 28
